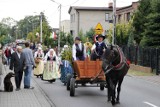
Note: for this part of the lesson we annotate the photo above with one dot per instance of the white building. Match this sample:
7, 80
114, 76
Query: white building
65, 26
85, 18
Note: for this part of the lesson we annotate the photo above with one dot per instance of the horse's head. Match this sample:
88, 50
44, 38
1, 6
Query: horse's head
110, 57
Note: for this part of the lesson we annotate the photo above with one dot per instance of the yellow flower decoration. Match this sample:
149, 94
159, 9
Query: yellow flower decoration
88, 45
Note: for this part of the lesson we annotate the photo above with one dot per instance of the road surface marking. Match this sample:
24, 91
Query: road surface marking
150, 104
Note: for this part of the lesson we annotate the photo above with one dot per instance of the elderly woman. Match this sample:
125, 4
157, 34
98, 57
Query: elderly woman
39, 56
51, 66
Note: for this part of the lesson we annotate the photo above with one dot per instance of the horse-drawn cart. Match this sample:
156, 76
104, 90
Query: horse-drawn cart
87, 72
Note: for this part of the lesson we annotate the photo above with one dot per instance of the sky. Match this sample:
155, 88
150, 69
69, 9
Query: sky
18, 9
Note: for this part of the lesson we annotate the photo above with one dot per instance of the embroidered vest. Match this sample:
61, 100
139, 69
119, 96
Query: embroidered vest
100, 47
79, 52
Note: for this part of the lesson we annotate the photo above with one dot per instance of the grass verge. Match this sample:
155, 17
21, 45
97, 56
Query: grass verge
139, 73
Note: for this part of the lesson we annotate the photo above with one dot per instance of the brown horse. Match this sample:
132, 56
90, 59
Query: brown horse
115, 67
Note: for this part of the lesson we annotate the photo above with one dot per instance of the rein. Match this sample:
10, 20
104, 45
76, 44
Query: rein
118, 66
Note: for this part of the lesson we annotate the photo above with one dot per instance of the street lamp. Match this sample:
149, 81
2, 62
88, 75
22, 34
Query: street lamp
59, 36
114, 23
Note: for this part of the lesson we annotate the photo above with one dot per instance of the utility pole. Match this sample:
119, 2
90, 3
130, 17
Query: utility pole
114, 23
59, 37
41, 27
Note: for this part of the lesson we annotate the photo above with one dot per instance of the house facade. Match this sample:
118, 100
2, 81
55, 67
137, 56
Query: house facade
65, 26
123, 15
82, 19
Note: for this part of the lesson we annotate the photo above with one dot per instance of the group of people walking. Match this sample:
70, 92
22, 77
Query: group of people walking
47, 65
26, 61
22, 61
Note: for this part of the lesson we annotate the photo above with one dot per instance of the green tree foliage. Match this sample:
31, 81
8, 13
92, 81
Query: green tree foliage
31, 37
90, 34
140, 18
151, 35
69, 39
4, 29
5, 33
67, 54
122, 33
82, 36
109, 35
4, 39
28, 24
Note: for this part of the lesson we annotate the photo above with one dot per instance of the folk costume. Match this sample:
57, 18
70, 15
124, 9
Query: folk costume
39, 56
51, 66
98, 48
78, 50
88, 46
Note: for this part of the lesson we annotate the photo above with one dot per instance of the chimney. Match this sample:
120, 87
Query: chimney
110, 4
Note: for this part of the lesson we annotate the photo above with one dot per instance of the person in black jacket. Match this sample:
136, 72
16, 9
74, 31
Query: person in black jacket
18, 63
98, 48
78, 50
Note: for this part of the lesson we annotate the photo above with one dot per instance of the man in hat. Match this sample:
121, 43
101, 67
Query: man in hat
98, 48
78, 50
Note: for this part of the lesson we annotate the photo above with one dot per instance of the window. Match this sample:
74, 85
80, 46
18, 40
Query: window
110, 17
128, 16
119, 18
72, 32
107, 17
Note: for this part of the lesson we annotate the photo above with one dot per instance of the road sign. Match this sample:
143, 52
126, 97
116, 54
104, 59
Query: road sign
98, 29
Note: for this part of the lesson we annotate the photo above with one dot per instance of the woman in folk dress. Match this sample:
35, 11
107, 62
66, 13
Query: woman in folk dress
39, 56
51, 66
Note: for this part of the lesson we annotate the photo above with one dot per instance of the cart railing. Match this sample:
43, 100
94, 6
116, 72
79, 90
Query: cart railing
89, 69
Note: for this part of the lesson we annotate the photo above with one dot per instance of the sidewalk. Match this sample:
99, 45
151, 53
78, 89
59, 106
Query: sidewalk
25, 97
154, 79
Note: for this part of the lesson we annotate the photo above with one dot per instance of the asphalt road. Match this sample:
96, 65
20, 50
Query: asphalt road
135, 93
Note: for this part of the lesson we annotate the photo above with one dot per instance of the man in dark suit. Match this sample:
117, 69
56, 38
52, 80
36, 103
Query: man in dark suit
18, 63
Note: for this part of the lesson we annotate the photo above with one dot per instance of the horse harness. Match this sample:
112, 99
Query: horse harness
118, 66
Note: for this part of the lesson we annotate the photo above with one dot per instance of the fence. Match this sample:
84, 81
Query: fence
148, 57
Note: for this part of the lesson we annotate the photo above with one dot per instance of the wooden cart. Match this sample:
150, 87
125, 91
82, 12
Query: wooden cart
86, 72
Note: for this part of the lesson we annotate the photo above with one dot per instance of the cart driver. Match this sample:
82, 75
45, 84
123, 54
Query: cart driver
78, 50
98, 48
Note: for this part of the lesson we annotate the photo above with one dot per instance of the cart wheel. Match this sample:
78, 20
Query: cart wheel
68, 78
102, 86
72, 87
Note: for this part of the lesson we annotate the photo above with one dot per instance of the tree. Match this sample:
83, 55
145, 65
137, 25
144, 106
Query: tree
28, 24
10, 22
90, 34
31, 37
4, 29
69, 39
151, 35
82, 36
4, 39
140, 17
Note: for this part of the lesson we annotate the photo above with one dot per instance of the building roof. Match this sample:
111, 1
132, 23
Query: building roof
126, 6
90, 8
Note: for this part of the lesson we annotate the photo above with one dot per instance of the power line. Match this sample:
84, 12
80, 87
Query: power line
71, 3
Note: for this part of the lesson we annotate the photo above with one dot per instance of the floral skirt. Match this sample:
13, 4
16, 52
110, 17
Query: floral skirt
39, 68
51, 70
